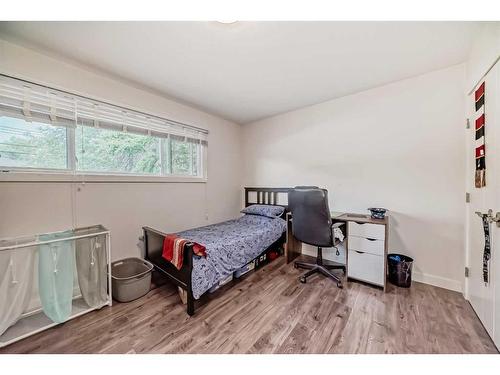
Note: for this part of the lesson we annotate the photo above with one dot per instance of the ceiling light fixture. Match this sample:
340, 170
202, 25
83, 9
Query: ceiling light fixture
227, 22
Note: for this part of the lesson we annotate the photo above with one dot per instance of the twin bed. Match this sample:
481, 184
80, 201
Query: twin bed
230, 245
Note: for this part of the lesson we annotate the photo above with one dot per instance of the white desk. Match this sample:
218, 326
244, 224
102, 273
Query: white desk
366, 246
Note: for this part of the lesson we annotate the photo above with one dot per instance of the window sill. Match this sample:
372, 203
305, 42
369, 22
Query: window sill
16, 176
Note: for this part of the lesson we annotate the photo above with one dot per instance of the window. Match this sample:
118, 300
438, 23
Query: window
46, 130
32, 145
184, 156
102, 150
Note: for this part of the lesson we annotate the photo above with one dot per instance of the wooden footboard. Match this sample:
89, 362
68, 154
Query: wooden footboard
153, 245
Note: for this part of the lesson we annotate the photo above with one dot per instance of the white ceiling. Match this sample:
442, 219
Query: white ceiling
251, 70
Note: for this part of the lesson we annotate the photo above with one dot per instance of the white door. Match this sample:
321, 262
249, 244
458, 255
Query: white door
485, 298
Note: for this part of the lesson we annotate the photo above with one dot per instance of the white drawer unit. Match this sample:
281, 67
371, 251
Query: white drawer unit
367, 230
367, 250
375, 247
366, 267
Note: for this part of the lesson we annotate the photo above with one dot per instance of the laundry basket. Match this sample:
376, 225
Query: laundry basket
131, 278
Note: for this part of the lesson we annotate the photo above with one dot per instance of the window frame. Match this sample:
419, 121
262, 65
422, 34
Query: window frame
5, 168
72, 174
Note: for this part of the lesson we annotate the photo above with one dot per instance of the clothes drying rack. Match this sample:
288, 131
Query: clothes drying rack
35, 321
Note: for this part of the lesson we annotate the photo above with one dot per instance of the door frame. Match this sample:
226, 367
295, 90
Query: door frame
467, 185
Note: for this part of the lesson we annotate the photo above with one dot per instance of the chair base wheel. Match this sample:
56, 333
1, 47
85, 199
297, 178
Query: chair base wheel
321, 268
340, 286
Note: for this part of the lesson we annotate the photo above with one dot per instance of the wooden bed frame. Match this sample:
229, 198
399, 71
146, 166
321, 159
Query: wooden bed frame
153, 243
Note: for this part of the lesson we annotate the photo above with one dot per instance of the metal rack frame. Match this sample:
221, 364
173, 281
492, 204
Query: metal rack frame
10, 336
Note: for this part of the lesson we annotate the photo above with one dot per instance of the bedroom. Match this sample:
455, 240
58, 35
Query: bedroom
119, 140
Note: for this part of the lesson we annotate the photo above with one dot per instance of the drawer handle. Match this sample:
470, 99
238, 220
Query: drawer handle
371, 239
359, 252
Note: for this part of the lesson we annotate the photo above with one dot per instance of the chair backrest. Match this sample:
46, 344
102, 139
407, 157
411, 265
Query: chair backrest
311, 218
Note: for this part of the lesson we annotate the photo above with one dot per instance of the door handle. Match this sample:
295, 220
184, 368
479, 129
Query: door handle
490, 217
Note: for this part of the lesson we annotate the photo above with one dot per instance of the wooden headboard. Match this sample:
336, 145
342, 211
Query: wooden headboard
263, 195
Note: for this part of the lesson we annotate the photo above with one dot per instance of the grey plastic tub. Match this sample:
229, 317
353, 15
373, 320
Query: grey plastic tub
131, 278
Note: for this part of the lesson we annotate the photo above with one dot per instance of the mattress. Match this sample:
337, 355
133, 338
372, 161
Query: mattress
230, 245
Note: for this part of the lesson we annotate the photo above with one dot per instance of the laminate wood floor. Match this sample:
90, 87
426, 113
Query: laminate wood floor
269, 311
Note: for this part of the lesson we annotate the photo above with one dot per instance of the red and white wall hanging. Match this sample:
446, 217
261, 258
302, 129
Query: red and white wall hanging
480, 179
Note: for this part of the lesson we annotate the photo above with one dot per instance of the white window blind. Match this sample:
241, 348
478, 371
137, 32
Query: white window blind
32, 102
48, 129
35, 103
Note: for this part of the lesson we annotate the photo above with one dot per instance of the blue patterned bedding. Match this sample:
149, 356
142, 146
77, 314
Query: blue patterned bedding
230, 245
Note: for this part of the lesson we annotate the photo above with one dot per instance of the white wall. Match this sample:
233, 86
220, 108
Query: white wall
485, 50
27, 208
399, 146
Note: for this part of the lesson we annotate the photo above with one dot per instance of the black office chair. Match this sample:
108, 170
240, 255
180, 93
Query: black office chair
312, 224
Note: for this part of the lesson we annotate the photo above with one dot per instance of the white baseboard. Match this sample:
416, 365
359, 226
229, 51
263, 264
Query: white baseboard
441, 282
438, 281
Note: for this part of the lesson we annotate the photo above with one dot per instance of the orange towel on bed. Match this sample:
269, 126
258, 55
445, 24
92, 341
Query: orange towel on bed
173, 249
